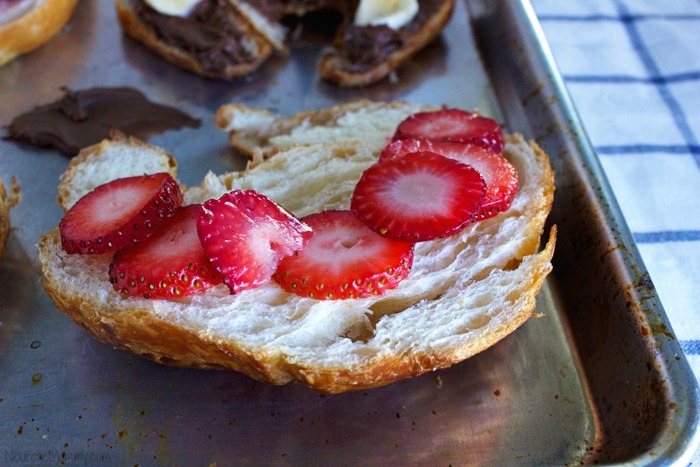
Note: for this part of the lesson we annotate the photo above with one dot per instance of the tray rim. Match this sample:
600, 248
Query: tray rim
669, 448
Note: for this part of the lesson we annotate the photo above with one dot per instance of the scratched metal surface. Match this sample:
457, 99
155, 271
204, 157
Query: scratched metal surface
598, 379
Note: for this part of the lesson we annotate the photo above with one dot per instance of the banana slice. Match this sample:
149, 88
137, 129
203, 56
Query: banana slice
173, 7
393, 13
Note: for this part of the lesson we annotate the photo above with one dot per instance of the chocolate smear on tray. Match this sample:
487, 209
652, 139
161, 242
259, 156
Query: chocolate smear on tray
86, 117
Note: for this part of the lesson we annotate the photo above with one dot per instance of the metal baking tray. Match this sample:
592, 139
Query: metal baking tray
599, 378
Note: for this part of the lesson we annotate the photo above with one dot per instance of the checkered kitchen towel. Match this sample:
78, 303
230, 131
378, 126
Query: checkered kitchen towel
633, 70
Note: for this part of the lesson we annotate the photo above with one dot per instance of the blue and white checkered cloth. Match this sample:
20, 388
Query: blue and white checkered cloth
632, 68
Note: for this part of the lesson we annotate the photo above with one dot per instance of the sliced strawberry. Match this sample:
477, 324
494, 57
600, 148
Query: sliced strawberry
344, 259
500, 176
402, 147
245, 235
119, 213
418, 197
455, 125
169, 264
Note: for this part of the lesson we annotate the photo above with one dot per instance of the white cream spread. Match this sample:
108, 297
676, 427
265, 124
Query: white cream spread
172, 7
392, 13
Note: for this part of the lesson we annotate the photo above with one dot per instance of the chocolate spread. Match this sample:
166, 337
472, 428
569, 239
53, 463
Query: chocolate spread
367, 46
211, 32
275, 9
83, 118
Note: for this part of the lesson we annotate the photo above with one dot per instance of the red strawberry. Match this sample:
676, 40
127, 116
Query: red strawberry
453, 125
245, 235
169, 264
418, 197
344, 259
119, 213
401, 147
500, 176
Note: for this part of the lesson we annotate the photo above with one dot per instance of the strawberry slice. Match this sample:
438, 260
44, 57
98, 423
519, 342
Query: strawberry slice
119, 213
245, 235
344, 259
401, 147
169, 264
499, 174
418, 197
455, 125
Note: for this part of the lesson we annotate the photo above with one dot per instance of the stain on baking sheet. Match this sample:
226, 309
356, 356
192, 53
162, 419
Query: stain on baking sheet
82, 118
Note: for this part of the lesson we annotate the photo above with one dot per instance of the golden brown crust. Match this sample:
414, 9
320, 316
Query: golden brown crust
142, 332
7, 201
333, 68
140, 31
388, 370
65, 188
547, 185
34, 29
255, 141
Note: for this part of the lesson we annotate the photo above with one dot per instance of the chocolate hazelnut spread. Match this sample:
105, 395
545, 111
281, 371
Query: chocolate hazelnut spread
277, 8
367, 46
363, 47
210, 32
83, 118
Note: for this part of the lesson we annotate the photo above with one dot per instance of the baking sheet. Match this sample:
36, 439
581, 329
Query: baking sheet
599, 379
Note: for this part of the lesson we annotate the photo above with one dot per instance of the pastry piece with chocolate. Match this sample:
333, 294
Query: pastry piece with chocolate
375, 38
209, 37
367, 51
